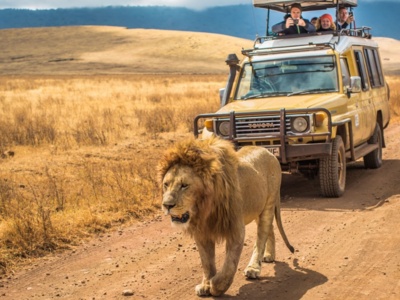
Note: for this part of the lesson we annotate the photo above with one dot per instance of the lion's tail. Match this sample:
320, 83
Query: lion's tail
280, 227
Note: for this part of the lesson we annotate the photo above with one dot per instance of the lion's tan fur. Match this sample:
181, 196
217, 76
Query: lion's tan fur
212, 192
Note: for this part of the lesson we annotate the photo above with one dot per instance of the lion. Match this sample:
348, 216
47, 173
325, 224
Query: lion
211, 192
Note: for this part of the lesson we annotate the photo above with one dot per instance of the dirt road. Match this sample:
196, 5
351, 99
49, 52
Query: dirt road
346, 248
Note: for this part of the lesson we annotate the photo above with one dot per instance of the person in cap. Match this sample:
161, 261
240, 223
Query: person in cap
295, 24
325, 23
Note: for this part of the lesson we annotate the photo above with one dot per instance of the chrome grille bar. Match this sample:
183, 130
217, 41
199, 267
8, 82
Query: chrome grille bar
261, 125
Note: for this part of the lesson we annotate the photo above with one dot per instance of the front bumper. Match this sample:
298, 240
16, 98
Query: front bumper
272, 131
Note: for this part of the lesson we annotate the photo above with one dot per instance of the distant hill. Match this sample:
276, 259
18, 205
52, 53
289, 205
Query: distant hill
242, 21
89, 50
85, 50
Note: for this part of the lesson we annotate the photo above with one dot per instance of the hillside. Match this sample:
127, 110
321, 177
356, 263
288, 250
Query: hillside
389, 55
114, 50
91, 49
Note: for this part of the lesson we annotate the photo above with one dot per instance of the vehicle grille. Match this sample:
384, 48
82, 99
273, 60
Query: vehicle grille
259, 126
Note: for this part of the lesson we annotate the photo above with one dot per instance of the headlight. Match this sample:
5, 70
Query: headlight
209, 125
299, 124
223, 128
320, 119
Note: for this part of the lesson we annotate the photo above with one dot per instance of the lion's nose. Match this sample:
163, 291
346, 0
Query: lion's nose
168, 206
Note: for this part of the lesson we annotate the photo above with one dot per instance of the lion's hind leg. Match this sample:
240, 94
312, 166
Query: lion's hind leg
264, 233
269, 254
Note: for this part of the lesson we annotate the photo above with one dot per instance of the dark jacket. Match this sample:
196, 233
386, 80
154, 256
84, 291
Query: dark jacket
343, 26
295, 29
324, 30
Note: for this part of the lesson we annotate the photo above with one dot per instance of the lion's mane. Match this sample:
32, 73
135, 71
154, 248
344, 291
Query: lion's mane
215, 161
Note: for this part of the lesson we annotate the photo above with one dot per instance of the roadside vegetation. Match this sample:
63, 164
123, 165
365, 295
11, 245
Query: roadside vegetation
78, 153
394, 84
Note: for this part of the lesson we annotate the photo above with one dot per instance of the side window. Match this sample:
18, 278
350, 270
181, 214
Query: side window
361, 69
379, 67
345, 72
374, 67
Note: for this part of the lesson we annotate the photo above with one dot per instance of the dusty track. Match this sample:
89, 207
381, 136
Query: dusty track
346, 248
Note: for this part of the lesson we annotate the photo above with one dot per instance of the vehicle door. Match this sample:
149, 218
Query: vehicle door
367, 112
377, 82
353, 103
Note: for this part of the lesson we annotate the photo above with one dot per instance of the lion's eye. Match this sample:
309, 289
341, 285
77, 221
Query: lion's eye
184, 186
165, 185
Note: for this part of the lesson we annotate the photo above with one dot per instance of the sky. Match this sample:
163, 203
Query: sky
191, 4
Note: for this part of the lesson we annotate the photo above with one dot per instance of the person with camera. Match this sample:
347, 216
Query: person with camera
344, 18
294, 24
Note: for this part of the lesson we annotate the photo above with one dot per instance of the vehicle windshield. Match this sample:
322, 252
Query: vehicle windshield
287, 77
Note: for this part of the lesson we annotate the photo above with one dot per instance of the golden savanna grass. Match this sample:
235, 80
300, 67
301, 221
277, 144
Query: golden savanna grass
79, 152
394, 84
79, 149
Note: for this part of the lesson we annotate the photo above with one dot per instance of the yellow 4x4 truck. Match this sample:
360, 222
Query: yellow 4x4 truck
317, 101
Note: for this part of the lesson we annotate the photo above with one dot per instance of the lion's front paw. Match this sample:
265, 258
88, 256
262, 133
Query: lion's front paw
220, 283
203, 290
252, 273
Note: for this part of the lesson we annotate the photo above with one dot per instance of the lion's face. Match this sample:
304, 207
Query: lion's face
181, 189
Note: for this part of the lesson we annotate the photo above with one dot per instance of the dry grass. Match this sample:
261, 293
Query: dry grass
79, 153
98, 110
394, 84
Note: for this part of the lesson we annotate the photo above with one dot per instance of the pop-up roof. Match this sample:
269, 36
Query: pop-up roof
284, 5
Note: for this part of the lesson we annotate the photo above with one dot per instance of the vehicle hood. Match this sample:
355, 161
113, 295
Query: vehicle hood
328, 101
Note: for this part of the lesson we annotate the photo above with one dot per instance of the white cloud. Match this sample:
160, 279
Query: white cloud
46, 4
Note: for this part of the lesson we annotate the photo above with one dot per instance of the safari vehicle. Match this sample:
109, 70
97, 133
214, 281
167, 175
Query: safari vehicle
317, 101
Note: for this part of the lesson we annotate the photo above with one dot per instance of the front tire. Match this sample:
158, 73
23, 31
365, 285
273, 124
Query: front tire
373, 160
332, 170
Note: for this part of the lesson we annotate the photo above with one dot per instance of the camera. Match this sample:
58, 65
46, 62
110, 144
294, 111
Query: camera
350, 14
296, 21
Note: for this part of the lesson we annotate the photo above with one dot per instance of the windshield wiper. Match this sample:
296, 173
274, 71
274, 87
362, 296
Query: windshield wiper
254, 96
308, 91
261, 95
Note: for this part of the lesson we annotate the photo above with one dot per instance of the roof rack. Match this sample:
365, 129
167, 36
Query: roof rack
284, 5
363, 32
264, 45
320, 43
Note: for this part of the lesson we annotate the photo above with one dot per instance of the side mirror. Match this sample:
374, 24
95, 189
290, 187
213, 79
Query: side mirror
355, 85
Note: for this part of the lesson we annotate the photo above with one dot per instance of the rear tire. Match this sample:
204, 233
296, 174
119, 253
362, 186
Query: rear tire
373, 160
332, 170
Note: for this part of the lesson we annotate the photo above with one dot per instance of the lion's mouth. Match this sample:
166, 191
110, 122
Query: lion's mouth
181, 219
